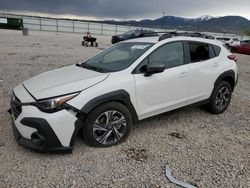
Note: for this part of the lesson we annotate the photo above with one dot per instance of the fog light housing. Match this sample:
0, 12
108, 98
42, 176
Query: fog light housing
37, 139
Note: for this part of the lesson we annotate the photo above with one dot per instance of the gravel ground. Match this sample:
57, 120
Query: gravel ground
203, 149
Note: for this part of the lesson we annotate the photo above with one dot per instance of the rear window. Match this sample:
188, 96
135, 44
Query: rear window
198, 51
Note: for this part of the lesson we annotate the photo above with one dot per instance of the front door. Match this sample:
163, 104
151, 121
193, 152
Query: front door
164, 91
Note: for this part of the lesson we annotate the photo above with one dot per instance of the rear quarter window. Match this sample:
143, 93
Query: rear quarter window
198, 51
217, 50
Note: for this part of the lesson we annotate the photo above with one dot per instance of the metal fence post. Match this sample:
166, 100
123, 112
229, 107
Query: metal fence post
88, 27
116, 29
40, 24
102, 29
56, 25
73, 26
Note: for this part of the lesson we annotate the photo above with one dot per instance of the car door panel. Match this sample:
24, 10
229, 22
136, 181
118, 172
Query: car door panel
201, 83
201, 71
161, 92
164, 91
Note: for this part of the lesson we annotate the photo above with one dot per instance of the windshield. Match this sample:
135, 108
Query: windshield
118, 57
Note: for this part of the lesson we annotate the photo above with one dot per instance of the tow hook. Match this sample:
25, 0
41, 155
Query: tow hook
10, 112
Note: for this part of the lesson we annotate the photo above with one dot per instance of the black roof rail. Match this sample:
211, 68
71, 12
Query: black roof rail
167, 35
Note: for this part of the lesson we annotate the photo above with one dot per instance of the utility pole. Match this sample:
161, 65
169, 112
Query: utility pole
163, 14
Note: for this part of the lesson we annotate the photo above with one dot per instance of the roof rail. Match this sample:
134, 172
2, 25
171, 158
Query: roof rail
185, 34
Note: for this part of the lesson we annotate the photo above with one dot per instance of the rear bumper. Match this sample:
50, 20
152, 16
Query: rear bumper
43, 140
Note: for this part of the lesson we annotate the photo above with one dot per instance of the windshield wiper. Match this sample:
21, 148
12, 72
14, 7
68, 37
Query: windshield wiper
86, 66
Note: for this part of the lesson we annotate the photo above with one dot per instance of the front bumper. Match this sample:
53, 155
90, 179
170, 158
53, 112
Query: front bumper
49, 143
40, 131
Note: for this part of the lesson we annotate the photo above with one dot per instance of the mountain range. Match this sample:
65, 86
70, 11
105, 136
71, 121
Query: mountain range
229, 24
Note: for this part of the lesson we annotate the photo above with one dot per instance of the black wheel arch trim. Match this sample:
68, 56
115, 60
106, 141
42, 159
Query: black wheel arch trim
121, 96
229, 73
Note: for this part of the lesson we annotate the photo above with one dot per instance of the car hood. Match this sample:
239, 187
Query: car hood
62, 81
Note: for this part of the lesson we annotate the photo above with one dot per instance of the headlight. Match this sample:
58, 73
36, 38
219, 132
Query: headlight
54, 104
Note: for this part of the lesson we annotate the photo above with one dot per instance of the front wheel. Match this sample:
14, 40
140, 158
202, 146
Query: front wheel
221, 98
107, 125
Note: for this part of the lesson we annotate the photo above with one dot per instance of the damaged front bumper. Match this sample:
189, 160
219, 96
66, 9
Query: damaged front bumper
41, 131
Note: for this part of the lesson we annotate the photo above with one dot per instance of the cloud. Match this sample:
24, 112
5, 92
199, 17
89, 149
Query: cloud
128, 9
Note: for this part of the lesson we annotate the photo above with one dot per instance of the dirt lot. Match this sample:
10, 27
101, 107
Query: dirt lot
204, 149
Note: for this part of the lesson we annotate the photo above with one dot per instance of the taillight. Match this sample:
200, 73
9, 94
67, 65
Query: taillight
233, 57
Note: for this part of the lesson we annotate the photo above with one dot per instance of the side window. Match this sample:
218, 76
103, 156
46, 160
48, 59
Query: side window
171, 55
198, 51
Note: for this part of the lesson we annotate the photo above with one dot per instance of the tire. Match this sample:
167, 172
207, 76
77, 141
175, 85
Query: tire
221, 98
83, 43
97, 132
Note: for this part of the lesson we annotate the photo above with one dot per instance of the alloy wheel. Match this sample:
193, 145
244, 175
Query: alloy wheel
222, 98
109, 127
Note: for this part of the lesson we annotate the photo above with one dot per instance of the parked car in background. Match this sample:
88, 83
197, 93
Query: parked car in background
133, 34
224, 40
243, 48
229, 42
233, 42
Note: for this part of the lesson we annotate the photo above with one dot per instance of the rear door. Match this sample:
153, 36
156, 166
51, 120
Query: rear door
203, 61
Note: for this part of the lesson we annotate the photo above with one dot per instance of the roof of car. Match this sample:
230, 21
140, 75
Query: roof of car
144, 39
183, 38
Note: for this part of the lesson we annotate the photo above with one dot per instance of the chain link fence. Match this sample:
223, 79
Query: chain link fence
78, 26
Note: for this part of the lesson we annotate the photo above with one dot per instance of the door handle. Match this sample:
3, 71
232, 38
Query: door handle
183, 75
216, 64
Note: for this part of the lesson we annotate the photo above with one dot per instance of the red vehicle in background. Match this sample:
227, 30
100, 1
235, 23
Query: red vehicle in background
243, 48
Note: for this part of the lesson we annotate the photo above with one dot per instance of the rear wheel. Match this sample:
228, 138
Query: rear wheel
107, 125
221, 98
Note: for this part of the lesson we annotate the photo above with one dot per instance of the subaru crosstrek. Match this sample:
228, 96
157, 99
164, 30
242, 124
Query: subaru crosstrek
130, 81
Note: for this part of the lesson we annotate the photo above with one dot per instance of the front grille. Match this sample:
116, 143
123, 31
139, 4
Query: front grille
16, 107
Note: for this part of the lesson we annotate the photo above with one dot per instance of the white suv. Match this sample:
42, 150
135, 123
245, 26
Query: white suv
133, 80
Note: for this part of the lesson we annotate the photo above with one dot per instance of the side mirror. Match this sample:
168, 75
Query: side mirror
154, 69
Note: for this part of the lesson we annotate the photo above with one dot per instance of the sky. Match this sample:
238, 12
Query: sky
127, 9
